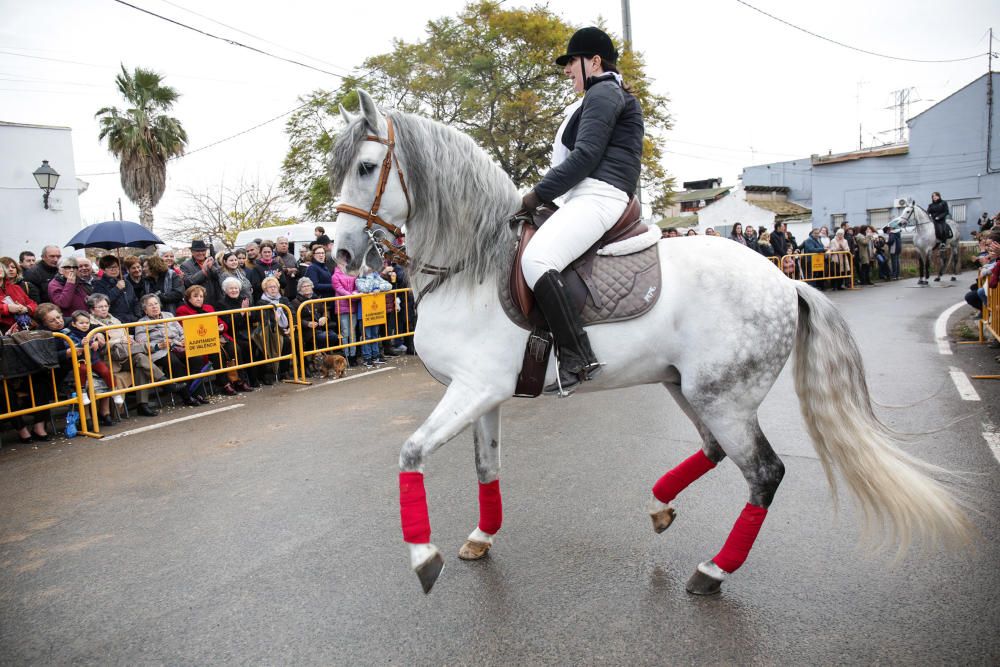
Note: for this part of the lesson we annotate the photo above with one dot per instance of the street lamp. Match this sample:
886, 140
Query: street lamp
47, 178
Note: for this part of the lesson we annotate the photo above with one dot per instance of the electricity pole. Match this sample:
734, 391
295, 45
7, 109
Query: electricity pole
627, 36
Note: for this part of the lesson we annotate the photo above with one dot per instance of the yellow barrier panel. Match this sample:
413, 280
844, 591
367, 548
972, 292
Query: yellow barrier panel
316, 338
136, 349
819, 266
990, 319
10, 394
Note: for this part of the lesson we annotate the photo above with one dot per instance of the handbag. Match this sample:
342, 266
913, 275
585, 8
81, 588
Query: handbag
119, 353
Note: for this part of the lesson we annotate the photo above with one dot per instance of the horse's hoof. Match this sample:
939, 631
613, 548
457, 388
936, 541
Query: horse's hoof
474, 550
429, 570
703, 583
663, 519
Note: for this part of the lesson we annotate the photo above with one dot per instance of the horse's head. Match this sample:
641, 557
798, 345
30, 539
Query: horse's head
373, 204
905, 217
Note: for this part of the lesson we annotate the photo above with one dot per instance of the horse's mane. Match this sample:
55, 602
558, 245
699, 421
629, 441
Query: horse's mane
460, 198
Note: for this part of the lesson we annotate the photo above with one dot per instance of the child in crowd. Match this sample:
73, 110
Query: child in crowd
77, 330
372, 283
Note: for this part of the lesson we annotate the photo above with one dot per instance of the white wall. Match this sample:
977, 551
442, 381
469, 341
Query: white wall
24, 223
731, 209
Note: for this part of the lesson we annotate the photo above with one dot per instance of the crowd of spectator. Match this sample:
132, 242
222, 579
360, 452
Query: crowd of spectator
69, 295
873, 252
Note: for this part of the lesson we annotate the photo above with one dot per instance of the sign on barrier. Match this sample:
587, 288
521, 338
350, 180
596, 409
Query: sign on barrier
373, 309
817, 262
201, 335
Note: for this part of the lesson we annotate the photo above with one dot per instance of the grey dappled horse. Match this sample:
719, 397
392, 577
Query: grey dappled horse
925, 241
716, 295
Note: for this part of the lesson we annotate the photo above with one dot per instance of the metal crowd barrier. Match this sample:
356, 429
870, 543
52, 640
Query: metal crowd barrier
818, 266
329, 337
195, 355
55, 401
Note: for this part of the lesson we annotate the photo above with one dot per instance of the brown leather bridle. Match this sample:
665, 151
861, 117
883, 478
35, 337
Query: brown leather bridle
371, 217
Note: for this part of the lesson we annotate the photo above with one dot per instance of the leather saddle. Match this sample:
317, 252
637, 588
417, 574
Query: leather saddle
577, 275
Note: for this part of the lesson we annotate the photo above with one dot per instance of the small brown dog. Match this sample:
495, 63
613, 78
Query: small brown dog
334, 363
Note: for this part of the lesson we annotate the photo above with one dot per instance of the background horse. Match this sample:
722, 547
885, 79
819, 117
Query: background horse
456, 203
925, 241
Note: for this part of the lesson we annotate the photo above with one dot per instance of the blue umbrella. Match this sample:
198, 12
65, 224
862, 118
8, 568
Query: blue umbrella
114, 234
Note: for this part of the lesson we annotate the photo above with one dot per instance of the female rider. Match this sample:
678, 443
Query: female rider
596, 161
938, 210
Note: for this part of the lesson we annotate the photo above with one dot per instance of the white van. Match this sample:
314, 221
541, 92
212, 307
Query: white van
297, 235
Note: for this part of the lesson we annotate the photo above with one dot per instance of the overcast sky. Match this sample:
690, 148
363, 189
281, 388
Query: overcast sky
744, 89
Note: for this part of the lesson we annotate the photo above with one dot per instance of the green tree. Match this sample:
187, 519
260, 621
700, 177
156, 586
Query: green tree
143, 137
488, 72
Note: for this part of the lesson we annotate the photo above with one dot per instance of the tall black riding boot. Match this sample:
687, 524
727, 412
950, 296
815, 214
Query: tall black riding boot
576, 359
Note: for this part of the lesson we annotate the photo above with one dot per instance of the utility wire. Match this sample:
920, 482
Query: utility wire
229, 41
257, 37
214, 143
855, 48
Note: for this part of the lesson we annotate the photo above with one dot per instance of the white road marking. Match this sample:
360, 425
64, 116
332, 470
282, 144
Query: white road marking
941, 329
964, 386
992, 438
171, 422
350, 377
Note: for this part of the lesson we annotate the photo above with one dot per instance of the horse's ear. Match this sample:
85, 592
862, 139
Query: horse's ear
371, 114
346, 115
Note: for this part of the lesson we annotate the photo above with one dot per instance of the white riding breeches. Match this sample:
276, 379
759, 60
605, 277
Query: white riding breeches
589, 210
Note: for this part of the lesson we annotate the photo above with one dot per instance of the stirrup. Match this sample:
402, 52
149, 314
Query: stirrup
587, 373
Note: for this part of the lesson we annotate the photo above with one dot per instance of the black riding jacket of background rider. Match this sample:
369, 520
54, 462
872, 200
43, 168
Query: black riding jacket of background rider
604, 138
938, 210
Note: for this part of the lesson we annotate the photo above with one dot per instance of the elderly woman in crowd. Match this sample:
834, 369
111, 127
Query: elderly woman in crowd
164, 283
65, 290
129, 363
239, 327
277, 327
230, 267
840, 264
194, 304
164, 343
315, 317
16, 307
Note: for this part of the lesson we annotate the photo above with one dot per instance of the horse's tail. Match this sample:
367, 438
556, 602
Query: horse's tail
891, 486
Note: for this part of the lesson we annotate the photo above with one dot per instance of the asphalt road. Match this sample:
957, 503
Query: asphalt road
269, 533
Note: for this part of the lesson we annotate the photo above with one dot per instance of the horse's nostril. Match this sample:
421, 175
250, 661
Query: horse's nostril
344, 256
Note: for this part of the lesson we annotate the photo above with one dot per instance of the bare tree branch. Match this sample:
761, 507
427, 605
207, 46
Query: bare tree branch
218, 214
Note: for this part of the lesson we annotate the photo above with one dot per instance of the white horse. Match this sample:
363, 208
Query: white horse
456, 203
925, 241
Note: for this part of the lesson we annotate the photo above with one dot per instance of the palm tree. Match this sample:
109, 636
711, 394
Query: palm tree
143, 137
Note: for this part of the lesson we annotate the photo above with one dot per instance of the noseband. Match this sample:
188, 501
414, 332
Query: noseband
371, 217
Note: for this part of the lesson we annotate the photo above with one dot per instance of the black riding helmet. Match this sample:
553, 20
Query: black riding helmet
589, 42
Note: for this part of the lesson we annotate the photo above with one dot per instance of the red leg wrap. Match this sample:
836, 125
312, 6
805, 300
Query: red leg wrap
413, 508
675, 481
490, 507
737, 547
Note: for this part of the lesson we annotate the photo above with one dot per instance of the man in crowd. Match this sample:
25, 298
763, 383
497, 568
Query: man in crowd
200, 270
85, 274
291, 267
27, 260
42, 273
778, 240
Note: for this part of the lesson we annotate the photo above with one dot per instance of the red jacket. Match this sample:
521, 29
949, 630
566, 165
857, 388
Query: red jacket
17, 295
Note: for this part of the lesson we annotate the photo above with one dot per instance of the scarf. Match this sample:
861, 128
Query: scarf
279, 313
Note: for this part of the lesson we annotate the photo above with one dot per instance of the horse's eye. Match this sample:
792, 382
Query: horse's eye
365, 168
